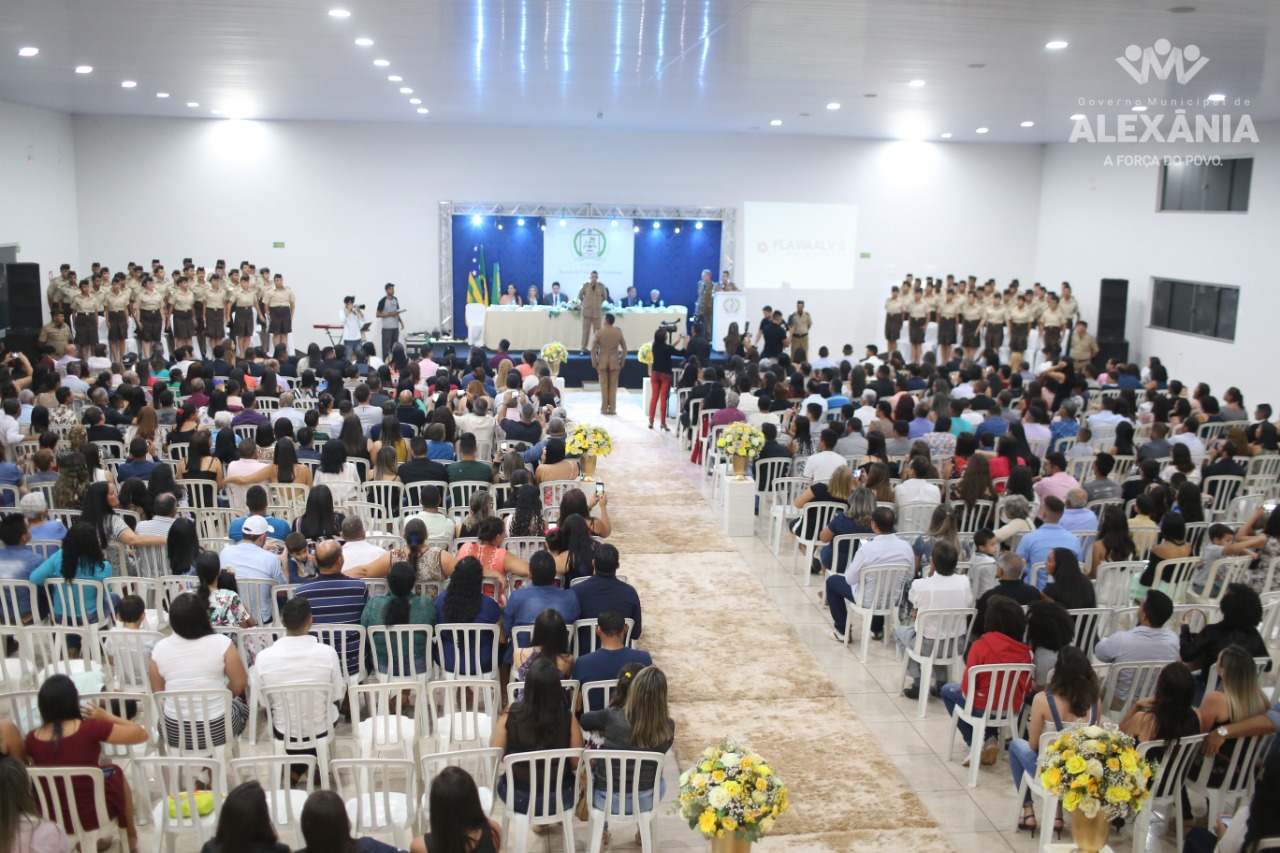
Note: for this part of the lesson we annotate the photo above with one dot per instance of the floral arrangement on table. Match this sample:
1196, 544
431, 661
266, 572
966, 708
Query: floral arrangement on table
732, 792
645, 355
1093, 769
554, 353
588, 440
741, 439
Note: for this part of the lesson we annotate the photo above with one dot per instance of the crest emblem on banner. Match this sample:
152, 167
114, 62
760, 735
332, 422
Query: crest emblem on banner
589, 243
733, 305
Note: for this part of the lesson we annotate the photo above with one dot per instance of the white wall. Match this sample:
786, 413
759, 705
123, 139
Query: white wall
356, 203
1099, 221
38, 185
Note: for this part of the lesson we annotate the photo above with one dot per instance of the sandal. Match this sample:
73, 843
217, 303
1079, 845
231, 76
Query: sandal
1028, 820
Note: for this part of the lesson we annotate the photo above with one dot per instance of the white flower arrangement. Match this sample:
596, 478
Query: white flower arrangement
554, 353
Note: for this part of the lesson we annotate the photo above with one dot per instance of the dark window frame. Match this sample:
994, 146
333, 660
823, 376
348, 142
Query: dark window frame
1238, 180
1191, 307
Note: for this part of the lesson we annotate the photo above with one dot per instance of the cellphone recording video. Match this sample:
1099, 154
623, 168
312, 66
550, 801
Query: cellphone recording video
599, 488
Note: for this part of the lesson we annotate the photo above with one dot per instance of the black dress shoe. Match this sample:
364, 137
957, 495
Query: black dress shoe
912, 691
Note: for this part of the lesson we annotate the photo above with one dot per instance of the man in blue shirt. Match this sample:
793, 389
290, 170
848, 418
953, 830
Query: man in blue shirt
603, 664
1036, 545
138, 464
603, 591
921, 425
17, 561
335, 598
255, 500
248, 559
994, 424
527, 602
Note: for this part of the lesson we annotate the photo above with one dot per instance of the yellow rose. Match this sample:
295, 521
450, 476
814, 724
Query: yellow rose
707, 822
1118, 794
762, 785
706, 766
729, 824
1076, 764
733, 789
764, 770
717, 776
766, 824
1051, 778
1129, 762
1113, 764
1072, 800
698, 780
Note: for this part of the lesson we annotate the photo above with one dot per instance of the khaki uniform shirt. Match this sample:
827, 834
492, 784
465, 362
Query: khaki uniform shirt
200, 289
69, 292
917, 308
1021, 315
56, 336
278, 297
149, 300
215, 296
592, 299
972, 311
116, 302
84, 304
1037, 306
1053, 318
1083, 348
1069, 307
995, 315
948, 309
801, 323
53, 293
892, 305
244, 297
181, 300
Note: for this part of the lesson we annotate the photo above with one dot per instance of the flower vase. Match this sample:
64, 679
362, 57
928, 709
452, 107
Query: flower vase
729, 844
555, 367
1090, 833
588, 464
739, 467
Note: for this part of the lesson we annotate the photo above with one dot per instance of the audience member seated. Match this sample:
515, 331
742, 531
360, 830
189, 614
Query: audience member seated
468, 468
611, 656
1069, 587
604, 590
527, 604
458, 820
575, 502
540, 720
245, 824
464, 602
1102, 487
1237, 698
1241, 614
439, 527
1049, 628
224, 605
326, 827
400, 607
941, 588
22, 829
1036, 546
885, 549
248, 558
318, 520
549, 641
1167, 715
256, 502
80, 558
361, 557
1009, 584
1172, 545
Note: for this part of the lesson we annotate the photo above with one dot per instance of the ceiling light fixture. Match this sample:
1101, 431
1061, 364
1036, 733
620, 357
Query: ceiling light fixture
339, 13
422, 111
563, 223
1139, 109
520, 221
28, 51
636, 229
677, 229
499, 224
982, 130
777, 122
394, 78
364, 42
1027, 124
698, 225
477, 219
84, 69
1078, 117
1216, 98
216, 112
415, 101
1056, 45
916, 84
162, 94
381, 63
1182, 10
405, 90
946, 136
613, 223
129, 84
193, 103
834, 105
656, 225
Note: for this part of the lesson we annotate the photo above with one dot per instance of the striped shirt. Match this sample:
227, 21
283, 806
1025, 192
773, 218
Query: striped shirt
337, 600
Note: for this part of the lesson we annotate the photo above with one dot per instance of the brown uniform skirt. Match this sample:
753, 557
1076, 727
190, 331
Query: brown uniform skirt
947, 331
184, 324
242, 322
281, 320
149, 329
117, 325
917, 329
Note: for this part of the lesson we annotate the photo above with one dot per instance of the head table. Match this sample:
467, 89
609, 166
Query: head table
532, 326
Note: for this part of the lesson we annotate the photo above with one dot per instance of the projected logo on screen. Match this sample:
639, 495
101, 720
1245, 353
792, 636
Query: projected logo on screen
589, 243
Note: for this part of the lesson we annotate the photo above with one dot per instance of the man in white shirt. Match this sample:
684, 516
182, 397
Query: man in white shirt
300, 658
916, 488
440, 528
1149, 641
247, 465
352, 319
70, 354
942, 589
824, 360
164, 514
10, 431
248, 559
821, 465
287, 410
885, 549
1108, 416
1187, 435
866, 413
358, 552
368, 415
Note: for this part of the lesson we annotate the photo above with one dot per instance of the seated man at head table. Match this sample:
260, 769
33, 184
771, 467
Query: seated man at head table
655, 300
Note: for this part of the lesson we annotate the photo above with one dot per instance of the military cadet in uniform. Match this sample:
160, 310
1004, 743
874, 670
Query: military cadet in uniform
971, 314
199, 287
948, 315
1051, 323
262, 284
84, 307
215, 310
1020, 319
917, 311
181, 312
702, 311
280, 305
56, 333
993, 320
726, 285
57, 285
608, 353
591, 298
799, 324
117, 303
244, 305
892, 320
148, 317
1068, 305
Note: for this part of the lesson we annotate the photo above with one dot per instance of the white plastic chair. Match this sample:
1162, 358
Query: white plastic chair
460, 492
916, 515
399, 643
1182, 569
378, 720
1113, 581
188, 716
178, 778
525, 547
765, 472
1237, 781
1090, 623
880, 589
1229, 570
303, 715
465, 640
546, 769
1219, 491
130, 657
596, 695
49, 651
284, 802
464, 712
1166, 786
482, 764
553, 490
1141, 677
55, 797
1002, 706
583, 639
349, 642
970, 519
380, 795
1030, 784
782, 509
624, 796
814, 518
571, 689
952, 625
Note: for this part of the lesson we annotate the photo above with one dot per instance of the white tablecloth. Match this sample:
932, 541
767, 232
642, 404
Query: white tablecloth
531, 328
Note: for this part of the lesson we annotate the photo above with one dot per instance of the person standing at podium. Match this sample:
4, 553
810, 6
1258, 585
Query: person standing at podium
352, 320
607, 355
591, 297
705, 305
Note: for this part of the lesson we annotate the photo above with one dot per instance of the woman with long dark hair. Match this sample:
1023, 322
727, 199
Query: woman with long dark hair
284, 468
224, 605
550, 640
660, 376
21, 826
527, 519
458, 822
335, 472
1049, 628
400, 607
351, 436
326, 827
98, 508
464, 601
573, 548
183, 547
1114, 542
541, 720
72, 736
976, 483
202, 464
80, 558
1069, 587
1167, 715
245, 824
1172, 545
390, 436
318, 520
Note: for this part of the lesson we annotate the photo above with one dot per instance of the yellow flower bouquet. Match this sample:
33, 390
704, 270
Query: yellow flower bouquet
588, 440
554, 353
732, 792
741, 439
1093, 769
645, 355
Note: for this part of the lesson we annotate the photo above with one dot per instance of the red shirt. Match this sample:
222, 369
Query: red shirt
991, 648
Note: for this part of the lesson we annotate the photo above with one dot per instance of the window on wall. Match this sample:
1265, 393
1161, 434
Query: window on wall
1214, 187
1195, 308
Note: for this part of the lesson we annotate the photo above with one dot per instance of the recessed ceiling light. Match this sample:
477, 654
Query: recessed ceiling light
395, 78
916, 84
339, 13
777, 122
28, 51
1078, 117
162, 94
636, 229
657, 225
129, 84
834, 105
405, 90
193, 103
869, 95
1027, 124
422, 111
364, 42
946, 136
1056, 45
381, 63
977, 65
1139, 109
216, 112
982, 130
84, 69
698, 225
1182, 10
415, 100
1216, 98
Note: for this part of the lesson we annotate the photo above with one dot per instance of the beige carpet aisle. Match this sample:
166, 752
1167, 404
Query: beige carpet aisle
735, 665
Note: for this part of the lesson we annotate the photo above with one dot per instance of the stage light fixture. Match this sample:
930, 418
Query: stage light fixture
28, 52
520, 221
499, 224
636, 229
563, 223
698, 225
613, 223
477, 220
677, 229
656, 225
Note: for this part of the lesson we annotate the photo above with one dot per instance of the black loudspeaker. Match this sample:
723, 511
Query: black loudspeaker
23, 299
1119, 350
1113, 304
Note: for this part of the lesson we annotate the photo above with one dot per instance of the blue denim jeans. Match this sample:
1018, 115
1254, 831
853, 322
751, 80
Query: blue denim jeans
521, 797
1022, 759
646, 798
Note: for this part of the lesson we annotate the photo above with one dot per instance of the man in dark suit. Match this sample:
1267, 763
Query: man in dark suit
555, 297
631, 300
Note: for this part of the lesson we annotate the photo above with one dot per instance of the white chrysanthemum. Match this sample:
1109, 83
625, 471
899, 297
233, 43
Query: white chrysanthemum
718, 797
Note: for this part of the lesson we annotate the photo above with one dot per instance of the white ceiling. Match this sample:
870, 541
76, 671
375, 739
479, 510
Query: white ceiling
693, 65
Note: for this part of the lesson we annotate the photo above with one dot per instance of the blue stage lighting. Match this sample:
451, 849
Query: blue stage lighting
477, 220
656, 225
698, 225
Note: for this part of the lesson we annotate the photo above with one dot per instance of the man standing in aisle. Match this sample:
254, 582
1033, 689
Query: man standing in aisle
591, 297
705, 302
389, 314
800, 323
607, 356
352, 319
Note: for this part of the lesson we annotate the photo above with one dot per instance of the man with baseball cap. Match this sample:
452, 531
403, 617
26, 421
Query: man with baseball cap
248, 559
